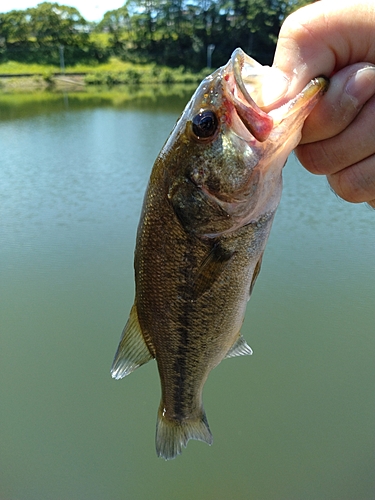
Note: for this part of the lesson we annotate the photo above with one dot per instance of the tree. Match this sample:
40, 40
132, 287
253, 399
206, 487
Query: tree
117, 24
15, 26
178, 32
255, 24
53, 25
168, 32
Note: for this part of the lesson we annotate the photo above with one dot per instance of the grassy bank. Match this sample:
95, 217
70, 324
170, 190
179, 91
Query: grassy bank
114, 72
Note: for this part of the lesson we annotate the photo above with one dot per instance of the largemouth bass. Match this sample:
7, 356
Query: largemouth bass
207, 214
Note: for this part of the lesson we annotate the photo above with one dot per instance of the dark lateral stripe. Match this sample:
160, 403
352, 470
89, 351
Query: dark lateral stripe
182, 396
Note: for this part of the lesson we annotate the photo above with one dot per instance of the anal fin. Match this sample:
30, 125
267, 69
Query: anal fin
239, 348
132, 350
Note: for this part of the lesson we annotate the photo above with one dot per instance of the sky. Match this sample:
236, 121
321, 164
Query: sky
91, 10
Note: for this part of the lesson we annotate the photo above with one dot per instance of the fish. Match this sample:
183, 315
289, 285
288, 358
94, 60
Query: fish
206, 217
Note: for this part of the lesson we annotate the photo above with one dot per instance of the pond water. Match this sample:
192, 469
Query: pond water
294, 421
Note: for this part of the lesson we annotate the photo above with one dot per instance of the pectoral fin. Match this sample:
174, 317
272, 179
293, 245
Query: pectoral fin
211, 268
132, 350
255, 274
239, 348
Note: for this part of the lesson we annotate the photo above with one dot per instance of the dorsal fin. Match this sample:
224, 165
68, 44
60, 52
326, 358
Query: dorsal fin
239, 348
132, 350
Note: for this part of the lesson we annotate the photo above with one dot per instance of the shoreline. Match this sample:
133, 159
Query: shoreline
25, 77
33, 82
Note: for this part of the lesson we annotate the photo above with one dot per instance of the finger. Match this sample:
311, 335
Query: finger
351, 146
324, 37
356, 183
348, 91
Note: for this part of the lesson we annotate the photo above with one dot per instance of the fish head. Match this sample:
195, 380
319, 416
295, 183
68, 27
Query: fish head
226, 153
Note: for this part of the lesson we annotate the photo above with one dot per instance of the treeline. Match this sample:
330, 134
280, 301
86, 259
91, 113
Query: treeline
169, 32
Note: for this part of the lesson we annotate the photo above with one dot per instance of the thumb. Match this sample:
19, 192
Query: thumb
322, 38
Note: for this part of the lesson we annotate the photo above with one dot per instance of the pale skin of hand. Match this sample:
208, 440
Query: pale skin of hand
335, 39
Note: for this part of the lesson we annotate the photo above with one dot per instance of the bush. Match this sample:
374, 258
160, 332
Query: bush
47, 76
137, 74
132, 76
166, 76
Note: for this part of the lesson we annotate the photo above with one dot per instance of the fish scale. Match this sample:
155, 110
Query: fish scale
207, 214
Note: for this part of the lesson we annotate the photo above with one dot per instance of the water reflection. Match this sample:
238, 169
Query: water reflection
157, 98
294, 421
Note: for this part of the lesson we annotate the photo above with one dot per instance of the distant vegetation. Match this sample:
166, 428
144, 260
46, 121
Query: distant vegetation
174, 33
112, 72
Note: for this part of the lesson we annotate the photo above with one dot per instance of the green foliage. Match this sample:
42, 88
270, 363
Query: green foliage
136, 74
178, 32
115, 23
166, 32
47, 77
38, 34
16, 68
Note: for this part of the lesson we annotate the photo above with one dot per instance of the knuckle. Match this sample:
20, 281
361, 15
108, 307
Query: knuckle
316, 158
354, 184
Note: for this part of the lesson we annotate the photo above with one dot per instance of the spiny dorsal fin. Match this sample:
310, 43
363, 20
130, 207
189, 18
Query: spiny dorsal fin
239, 348
211, 268
132, 350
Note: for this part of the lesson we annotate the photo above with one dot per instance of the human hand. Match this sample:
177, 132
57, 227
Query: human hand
335, 39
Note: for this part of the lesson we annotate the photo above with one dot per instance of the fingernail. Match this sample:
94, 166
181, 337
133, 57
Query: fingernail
361, 85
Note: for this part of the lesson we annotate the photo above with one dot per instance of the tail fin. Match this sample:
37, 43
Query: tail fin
172, 435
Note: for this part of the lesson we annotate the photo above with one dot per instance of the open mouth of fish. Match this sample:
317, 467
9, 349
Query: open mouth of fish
258, 94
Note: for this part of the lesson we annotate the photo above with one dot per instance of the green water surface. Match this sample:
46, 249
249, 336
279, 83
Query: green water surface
296, 421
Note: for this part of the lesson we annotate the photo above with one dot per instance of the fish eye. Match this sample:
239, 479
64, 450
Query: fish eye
205, 124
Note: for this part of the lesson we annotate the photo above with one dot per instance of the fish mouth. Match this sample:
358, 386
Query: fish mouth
257, 93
